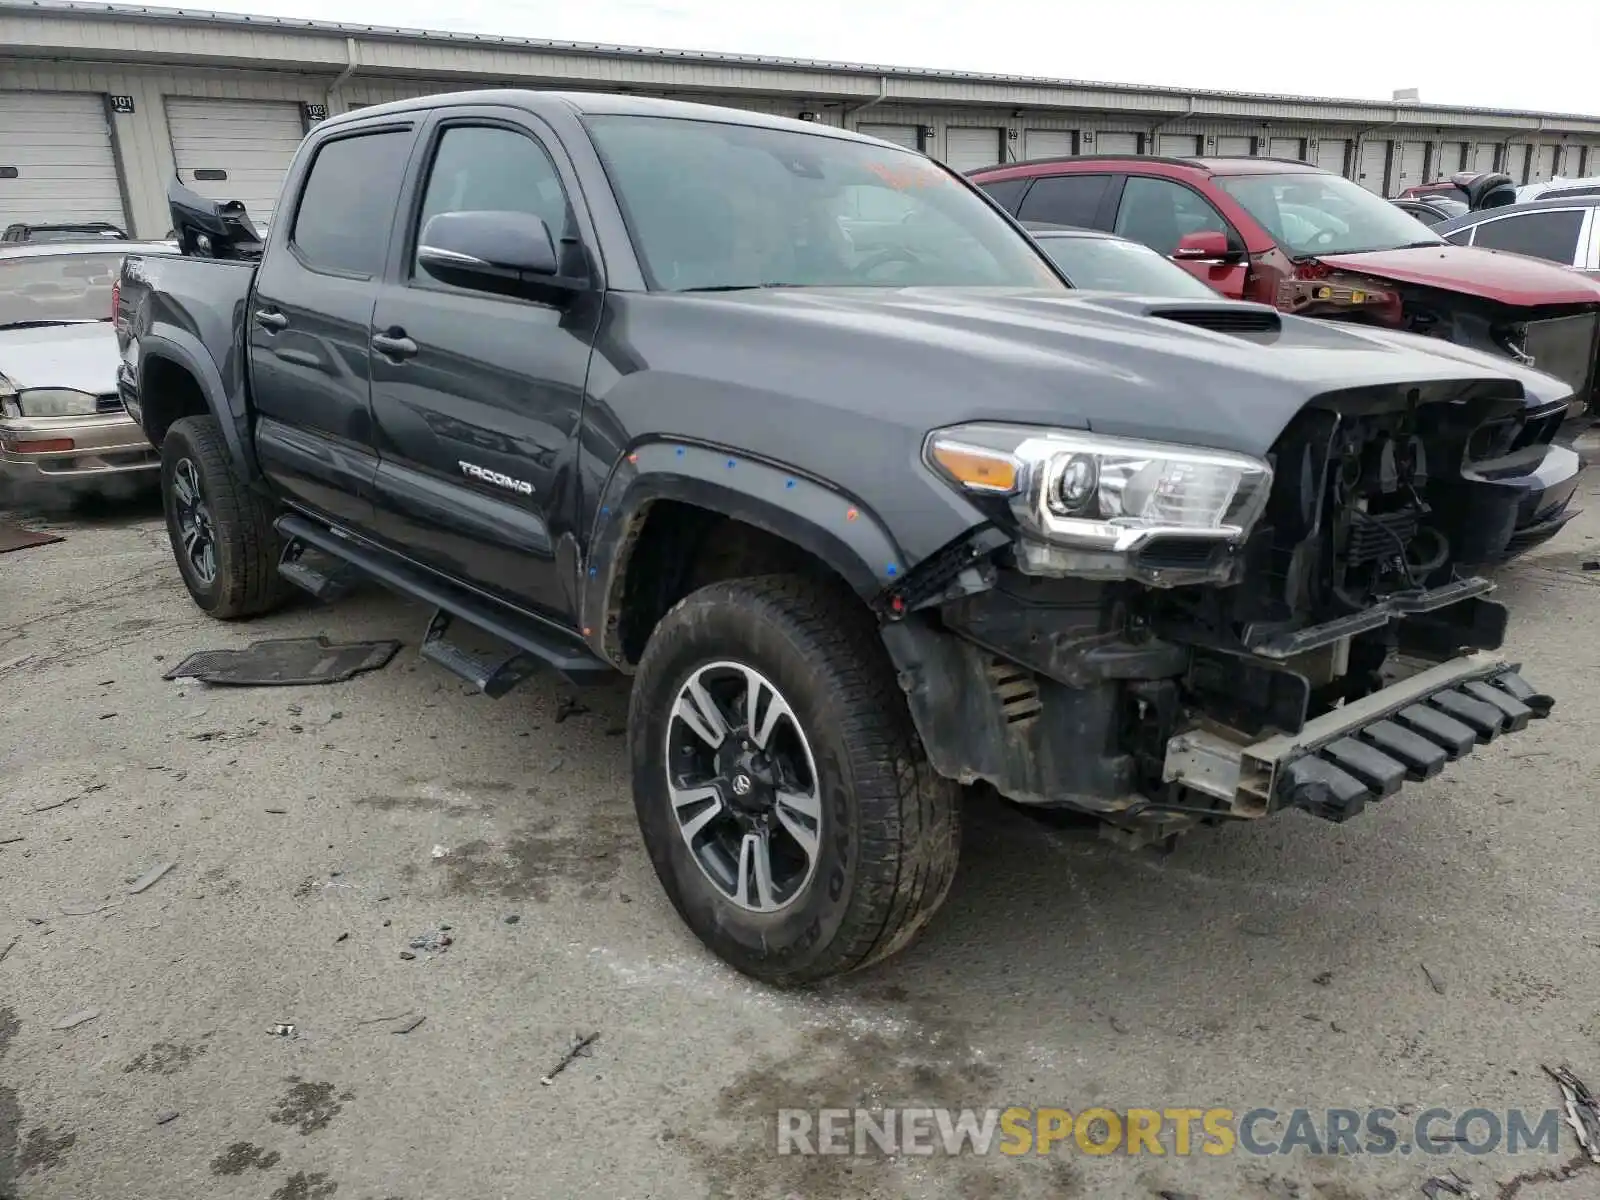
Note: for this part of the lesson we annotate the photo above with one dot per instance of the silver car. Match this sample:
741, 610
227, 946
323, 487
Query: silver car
60, 416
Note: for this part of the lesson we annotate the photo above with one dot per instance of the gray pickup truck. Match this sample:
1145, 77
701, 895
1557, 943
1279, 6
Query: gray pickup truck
802, 432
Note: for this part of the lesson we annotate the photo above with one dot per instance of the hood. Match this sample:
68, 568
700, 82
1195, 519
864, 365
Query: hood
1489, 274
915, 359
82, 357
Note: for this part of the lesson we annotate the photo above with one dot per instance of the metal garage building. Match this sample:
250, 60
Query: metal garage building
101, 103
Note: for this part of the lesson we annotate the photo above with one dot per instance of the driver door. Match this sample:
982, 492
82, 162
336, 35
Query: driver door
1160, 212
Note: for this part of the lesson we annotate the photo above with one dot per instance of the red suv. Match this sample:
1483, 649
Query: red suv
1310, 242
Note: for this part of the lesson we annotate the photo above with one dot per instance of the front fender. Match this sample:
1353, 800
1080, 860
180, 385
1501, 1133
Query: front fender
801, 509
182, 348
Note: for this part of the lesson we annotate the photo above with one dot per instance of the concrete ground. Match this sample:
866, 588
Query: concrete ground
315, 831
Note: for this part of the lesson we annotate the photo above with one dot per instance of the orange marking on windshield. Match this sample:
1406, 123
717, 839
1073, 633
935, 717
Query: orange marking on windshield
905, 178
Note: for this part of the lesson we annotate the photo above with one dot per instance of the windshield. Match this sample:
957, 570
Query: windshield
57, 288
1113, 265
718, 206
1310, 214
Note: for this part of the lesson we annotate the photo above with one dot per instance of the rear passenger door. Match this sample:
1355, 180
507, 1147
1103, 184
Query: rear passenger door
309, 318
478, 413
1161, 212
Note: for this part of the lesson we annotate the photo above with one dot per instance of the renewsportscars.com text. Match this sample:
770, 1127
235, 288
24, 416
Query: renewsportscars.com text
1161, 1132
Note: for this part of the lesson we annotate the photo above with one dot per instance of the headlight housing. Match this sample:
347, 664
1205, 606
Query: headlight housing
1100, 506
56, 402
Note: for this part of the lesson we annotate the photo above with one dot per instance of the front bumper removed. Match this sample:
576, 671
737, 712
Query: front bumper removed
1363, 751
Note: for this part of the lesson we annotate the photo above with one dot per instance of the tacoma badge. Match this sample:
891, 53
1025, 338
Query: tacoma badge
520, 486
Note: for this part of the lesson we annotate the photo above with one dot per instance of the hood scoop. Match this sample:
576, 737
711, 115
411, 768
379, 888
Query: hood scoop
1231, 318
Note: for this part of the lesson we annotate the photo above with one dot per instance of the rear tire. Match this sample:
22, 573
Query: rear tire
221, 532
886, 835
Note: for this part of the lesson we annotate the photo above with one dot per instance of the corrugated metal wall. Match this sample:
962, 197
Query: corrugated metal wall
144, 141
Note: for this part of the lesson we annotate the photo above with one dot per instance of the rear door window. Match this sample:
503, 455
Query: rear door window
1552, 234
1065, 200
347, 206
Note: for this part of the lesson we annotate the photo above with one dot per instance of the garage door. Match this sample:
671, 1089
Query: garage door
1483, 156
967, 149
56, 162
1544, 163
1453, 157
1116, 143
900, 135
1178, 145
1331, 154
1413, 158
1233, 146
1048, 143
235, 149
1374, 160
1286, 148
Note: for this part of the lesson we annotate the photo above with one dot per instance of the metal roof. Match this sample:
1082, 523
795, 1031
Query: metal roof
194, 16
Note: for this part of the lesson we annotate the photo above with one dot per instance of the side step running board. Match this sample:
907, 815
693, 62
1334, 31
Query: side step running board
533, 641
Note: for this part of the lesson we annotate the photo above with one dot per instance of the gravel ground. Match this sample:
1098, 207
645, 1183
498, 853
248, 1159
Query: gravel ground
315, 832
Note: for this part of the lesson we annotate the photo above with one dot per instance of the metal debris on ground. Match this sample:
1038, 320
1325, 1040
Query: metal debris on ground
15, 537
1583, 1111
1323, 979
9, 947
6, 841
1456, 1185
435, 942
1433, 980
84, 908
407, 1024
283, 661
400, 1016
150, 878
282, 1029
82, 1017
440, 851
569, 706
579, 1049
512, 918
408, 956
167, 1116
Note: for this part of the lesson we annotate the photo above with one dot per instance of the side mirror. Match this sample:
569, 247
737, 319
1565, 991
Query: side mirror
486, 249
1203, 245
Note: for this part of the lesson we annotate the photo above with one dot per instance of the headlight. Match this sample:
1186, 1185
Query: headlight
1104, 495
56, 402
8, 399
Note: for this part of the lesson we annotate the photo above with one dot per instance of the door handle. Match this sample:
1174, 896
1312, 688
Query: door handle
394, 345
268, 319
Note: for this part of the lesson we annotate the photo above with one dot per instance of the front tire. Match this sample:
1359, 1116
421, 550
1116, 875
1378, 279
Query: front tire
221, 532
781, 789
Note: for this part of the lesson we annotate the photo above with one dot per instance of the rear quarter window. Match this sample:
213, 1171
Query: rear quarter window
1007, 193
1065, 200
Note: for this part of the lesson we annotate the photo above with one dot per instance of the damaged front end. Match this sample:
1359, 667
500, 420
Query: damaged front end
1164, 637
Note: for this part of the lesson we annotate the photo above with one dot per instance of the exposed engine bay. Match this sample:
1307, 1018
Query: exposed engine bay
1351, 635
1556, 340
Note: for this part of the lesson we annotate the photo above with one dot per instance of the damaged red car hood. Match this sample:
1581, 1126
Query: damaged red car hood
1493, 275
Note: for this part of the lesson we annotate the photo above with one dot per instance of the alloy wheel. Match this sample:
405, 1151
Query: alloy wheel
195, 526
743, 785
